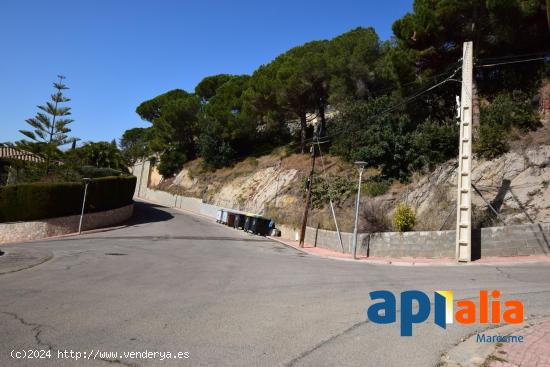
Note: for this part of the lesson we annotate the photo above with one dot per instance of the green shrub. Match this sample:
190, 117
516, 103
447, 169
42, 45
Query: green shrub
171, 162
433, 143
93, 172
492, 141
333, 187
376, 187
215, 152
252, 161
32, 201
110, 192
511, 110
507, 111
404, 218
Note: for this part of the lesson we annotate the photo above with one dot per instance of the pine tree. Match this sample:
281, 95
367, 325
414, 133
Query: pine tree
50, 125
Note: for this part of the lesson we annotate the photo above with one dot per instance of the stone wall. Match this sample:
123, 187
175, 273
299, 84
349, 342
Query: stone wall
512, 240
38, 229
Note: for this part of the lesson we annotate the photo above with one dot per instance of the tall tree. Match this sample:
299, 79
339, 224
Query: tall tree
134, 144
260, 101
299, 82
100, 154
381, 139
174, 118
207, 87
356, 65
50, 125
438, 28
227, 129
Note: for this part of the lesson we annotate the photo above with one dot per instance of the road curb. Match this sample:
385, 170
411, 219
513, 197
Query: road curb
469, 353
501, 261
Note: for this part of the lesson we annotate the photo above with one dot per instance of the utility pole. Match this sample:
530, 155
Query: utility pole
357, 202
464, 173
308, 196
329, 196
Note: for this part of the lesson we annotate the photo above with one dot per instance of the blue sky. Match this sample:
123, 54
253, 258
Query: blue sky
118, 53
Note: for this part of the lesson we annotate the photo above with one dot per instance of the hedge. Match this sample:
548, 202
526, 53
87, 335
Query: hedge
25, 202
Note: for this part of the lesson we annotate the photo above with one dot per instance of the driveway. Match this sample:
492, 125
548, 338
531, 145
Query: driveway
178, 283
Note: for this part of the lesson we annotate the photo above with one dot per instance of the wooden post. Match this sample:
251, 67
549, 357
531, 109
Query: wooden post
308, 197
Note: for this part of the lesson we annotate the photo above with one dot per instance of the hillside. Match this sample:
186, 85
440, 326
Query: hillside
272, 184
516, 183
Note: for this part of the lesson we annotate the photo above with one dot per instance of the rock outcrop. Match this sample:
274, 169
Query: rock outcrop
516, 184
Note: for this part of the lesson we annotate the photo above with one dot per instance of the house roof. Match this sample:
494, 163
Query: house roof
14, 153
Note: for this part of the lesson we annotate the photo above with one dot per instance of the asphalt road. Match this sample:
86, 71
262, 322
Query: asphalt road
174, 282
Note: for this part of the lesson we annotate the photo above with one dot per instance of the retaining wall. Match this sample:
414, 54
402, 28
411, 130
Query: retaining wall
176, 201
514, 240
38, 229
142, 171
194, 205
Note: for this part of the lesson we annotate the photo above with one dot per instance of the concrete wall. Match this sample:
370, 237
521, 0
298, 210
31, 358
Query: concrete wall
528, 239
194, 205
33, 230
511, 240
516, 240
141, 170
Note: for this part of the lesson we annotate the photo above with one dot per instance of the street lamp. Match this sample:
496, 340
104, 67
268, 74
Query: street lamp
361, 166
86, 182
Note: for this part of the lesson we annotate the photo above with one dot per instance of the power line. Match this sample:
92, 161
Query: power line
329, 193
396, 106
449, 68
511, 62
498, 58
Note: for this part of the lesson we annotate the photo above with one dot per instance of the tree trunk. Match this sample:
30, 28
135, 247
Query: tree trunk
303, 127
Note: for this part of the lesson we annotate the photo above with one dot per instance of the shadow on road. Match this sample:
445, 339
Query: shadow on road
148, 213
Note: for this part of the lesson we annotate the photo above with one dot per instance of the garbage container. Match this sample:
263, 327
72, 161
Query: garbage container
224, 217
270, 226
254, 225
247, 223
259, 225
262, 226
219, 216
239, 221
230, 219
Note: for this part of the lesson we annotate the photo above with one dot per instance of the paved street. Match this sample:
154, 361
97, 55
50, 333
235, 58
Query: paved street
174, 282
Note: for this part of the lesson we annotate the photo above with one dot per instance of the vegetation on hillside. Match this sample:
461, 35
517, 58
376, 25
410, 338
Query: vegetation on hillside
385, 111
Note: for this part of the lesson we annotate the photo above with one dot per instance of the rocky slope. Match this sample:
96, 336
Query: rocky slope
517, 185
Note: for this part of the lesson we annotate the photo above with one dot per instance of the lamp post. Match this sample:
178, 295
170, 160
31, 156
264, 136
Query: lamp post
86, 182
361, 165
